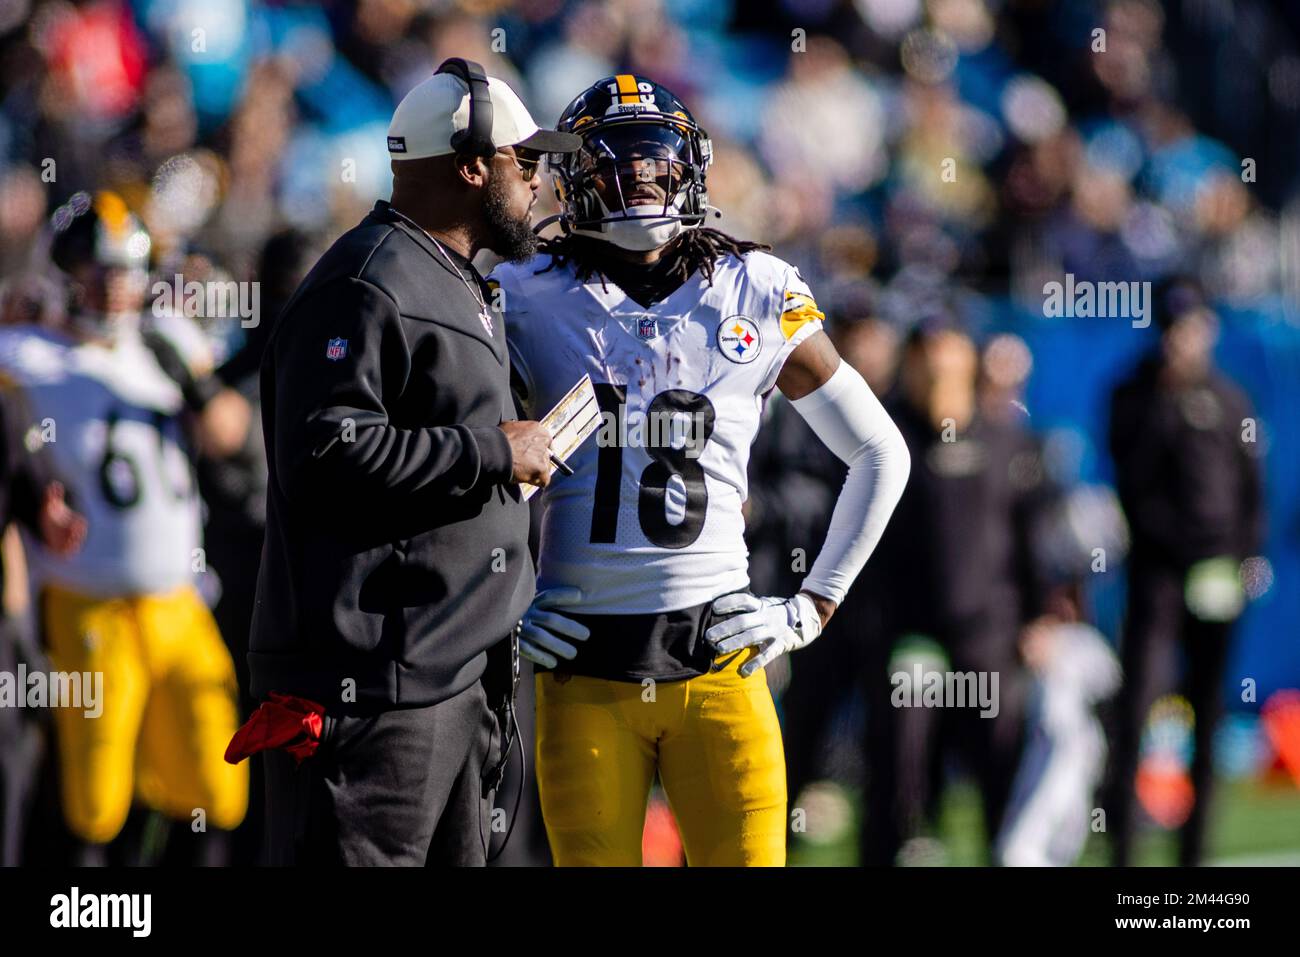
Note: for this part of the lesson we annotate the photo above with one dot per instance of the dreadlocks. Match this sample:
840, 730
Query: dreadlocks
692, 249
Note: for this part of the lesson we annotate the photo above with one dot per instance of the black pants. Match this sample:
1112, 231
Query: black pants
22, 745
401, 787
1158, 623
905, 746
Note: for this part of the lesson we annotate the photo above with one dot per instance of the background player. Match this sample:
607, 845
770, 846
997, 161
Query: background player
125, 605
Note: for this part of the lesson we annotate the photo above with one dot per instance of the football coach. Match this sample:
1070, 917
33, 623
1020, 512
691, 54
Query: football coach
396, 554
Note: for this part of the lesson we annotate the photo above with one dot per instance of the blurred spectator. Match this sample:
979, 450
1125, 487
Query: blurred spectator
1074, 672
955, 579
1051, 806
1183, 437
822, 91
233, 487
794, 480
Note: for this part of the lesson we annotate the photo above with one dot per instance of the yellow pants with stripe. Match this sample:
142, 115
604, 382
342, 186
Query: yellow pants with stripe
714, 740
168, 711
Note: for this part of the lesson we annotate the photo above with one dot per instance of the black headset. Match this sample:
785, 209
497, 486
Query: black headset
476, 139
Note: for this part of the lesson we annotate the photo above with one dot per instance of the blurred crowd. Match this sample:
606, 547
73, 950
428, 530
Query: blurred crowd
928, 165
1124, 138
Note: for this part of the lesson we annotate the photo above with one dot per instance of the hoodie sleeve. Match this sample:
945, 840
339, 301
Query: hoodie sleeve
339, 358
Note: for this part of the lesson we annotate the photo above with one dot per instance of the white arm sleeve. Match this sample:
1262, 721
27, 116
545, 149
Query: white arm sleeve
845, 415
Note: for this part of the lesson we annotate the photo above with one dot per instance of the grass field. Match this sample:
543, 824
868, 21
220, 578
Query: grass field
1254, 823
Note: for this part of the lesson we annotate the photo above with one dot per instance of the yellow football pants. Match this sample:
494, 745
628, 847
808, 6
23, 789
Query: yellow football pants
169, 709
714, 740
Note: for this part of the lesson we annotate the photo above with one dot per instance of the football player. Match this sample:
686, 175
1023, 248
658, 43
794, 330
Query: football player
654, 645
126, 605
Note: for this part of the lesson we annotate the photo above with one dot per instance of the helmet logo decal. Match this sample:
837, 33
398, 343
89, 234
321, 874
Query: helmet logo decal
629, 95
625, 87
112, 213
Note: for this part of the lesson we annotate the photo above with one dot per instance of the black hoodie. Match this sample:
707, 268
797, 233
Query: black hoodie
396, 544
1189, 484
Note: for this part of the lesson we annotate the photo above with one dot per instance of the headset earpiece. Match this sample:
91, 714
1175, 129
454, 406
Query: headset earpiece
476, 139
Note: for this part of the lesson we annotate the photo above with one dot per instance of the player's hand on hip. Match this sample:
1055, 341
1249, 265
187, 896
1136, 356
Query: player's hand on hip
772, 625
543, 632
530, 446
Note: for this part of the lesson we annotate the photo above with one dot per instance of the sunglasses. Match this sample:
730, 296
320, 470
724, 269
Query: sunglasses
526, 161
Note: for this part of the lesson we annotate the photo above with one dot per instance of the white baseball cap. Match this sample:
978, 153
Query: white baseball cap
425, 120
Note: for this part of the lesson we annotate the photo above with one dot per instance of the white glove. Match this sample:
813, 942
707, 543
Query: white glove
538, 641
777, 625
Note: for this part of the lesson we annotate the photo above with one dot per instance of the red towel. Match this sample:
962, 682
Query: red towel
285, 722
1281, 719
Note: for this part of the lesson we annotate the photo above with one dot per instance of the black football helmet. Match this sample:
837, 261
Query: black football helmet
98, 230
638, 179
104, 251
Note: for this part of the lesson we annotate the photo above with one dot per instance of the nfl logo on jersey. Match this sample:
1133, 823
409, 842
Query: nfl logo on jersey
336, 349
647, 327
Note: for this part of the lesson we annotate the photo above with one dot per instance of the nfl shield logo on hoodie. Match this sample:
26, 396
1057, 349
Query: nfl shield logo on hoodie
336, 349
647, 327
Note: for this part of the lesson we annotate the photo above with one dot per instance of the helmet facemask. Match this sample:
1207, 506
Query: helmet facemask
636, 184
106, 301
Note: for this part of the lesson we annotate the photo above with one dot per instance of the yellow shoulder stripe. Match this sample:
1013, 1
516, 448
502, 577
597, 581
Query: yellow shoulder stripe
800, 309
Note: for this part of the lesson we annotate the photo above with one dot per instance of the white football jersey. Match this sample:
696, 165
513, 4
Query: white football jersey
109, 419
651, 519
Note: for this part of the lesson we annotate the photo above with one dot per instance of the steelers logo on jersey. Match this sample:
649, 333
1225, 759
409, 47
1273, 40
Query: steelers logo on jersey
739, 339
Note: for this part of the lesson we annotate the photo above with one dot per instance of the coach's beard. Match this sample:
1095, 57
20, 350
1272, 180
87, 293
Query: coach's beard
511, 239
